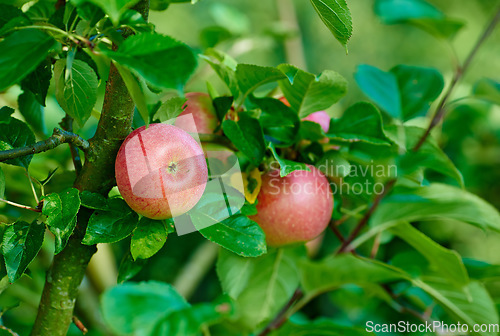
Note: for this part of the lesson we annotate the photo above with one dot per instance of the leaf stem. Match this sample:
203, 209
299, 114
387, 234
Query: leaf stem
283, 314
441, 108
20, 205
58, 137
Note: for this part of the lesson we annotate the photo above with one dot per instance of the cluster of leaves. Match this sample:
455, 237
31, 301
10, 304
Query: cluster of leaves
73, 45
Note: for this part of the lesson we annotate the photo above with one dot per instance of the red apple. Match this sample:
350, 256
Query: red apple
200, 106
322, 118
161, 171
295, 208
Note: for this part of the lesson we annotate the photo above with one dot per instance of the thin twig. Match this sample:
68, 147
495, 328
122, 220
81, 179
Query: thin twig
32, 186
20, 205
376, 246
80, 325
67, 125
440, 110
345, 245
58, 137
282, 316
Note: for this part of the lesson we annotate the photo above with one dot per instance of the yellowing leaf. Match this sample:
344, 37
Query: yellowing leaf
251, 183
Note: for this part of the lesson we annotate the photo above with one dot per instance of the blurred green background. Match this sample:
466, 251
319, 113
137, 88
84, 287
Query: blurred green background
278, 31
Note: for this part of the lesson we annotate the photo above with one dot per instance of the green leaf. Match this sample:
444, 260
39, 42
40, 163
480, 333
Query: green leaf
472, 305
333, 164
32, 112
251, 76
129, 268
33, 45
319, 327
2, 183
381, 87
148, 238
94, 200
120, 305
278, 121
445, 262
76, 89
335, 271
307, 93
480, 270
189, 321
260, 286
487, 89
213, 35
336, 16
8, 13
61, 210
38, 81
225, 67
161, 60
136, 91
418, 13
360, 122
114, 8
5, 113
112, 225
16, 134
20, 245
429, 156
237, 234
287, 166
170, 109
418, 88
247, 136
436, 201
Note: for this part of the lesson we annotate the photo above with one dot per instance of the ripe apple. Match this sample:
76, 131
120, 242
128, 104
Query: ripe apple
322, 118
295, 208
200, 106
161, 171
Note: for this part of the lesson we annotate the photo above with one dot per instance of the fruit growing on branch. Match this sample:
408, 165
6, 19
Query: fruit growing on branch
295, 208
161, 171
199, 105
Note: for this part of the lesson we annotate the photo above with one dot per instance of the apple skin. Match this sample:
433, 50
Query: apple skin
161, 171
200, 106
293, 209
322, 118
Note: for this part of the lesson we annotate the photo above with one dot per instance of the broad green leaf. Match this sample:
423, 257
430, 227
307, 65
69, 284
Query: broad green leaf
472, 305
129, 268
20, 245
360, 122
76, 89
319, 327
239, 235
487, 89
32, 112
335, 271
114, 8
38, 81
159, 59
418, 13
279, 123
8, 13
190, 320
381, 87
436, 201
90, 12
61, 210
148, 238
336, 16
225, 67
333, 164
310, 130
260, 286
5, 113
109, 226
16, 134
136, 91
33, 45
418, 88
480, 270
251, 76
446, 262
2, 183
247, 136
429, 156
93, 200
397, 11
307, 93
170, 109
287, 166
213, 35
120, 305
